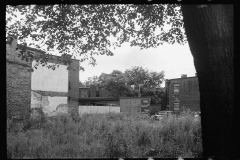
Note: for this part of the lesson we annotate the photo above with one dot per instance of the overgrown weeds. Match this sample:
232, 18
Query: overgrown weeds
104, 135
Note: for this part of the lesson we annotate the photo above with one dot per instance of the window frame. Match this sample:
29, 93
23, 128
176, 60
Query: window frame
174, 88
174, 104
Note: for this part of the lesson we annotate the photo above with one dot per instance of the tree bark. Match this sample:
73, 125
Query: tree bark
209, 30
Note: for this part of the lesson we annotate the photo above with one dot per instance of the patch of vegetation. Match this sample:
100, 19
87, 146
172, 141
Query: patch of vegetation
104, 136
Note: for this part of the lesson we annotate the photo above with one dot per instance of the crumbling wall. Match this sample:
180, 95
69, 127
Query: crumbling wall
51, 105
73, 87
49, 88
18, 83
53, 90
59, 87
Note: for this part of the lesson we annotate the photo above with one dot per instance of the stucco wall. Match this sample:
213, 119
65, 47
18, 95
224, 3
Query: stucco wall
49, 81
50, 105
45, 79
58, 87
98, 109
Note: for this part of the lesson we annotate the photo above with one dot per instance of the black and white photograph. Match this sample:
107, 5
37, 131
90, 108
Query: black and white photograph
120, 81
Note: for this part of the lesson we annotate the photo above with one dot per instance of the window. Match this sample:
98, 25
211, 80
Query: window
176, 106
176, 88
145, 101
176, 99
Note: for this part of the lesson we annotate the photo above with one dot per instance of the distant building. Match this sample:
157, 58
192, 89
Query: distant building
135, 104
83, 92
182, 92
93, 91
96, 96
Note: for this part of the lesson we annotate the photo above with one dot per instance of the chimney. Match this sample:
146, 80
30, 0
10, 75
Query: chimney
183, 76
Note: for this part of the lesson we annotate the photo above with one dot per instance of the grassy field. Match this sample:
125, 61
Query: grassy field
104, 135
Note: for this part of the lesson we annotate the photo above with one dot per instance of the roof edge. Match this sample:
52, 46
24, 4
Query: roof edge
133, 97
40, 51
182, 78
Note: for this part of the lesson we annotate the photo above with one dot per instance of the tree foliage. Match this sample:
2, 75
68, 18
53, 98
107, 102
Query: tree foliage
121, 84
83, 31
91, 81
140, 75
115, 83
149, 81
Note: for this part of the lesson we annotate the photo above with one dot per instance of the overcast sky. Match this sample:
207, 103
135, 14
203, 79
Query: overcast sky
173, 59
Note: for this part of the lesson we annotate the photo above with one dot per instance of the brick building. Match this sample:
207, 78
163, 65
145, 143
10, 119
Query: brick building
50, 89
182, 92
96, 96
18, 82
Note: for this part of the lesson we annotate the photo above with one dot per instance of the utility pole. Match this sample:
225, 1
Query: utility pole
139, 94
139, 85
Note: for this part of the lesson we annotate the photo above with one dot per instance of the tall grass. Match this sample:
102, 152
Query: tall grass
104, 136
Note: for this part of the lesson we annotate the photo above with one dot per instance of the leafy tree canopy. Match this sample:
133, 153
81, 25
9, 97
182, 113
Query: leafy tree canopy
140, 75
121, 84
83, 31
91, 81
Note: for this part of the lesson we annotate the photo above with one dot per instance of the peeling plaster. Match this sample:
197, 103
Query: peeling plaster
45, 79
62, 108
35, 100
50, 89
50, 105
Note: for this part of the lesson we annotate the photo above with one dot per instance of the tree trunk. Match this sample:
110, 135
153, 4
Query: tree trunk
209, 30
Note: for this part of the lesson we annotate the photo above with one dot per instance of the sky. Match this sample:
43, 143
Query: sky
174, 59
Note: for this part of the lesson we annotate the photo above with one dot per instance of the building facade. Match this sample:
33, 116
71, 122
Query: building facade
135, 104
18, 77
52, 90
183, 92
84, 92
